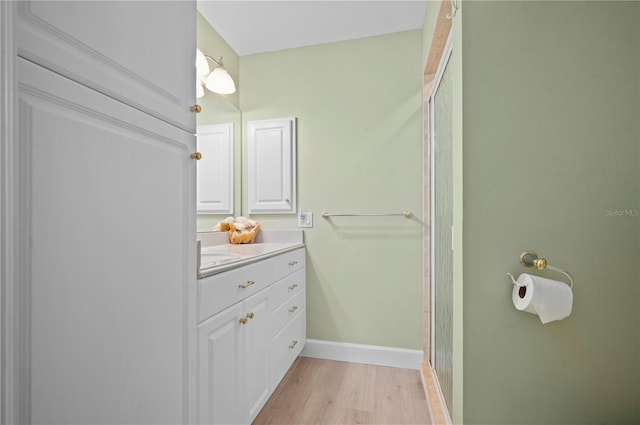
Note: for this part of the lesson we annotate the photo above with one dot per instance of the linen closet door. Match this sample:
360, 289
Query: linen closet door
103, 315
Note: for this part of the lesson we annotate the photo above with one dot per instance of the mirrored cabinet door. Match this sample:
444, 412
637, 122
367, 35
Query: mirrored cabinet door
216, 169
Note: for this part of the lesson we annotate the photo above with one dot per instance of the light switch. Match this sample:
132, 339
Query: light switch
305, 219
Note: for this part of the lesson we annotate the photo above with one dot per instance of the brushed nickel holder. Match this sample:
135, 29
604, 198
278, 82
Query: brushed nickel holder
531, 259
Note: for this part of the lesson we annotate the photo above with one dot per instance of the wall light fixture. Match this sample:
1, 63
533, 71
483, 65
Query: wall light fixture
217, 81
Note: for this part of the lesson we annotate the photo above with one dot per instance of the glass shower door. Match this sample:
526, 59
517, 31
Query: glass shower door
440, 107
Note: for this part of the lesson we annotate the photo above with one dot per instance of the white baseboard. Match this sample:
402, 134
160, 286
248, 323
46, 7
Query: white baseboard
360, 353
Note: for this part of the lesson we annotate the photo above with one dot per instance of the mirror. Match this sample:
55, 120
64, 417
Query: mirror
221, 109
218, 110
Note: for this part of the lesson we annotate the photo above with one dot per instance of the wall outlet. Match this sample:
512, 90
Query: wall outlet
305, 219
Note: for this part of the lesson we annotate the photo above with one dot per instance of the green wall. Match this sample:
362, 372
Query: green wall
456, 63
359, 122
551, 151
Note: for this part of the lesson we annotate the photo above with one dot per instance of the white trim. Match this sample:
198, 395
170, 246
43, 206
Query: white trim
432, 223
361, 353
13, 407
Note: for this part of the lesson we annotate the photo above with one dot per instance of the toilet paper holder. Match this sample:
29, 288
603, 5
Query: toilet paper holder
531, 259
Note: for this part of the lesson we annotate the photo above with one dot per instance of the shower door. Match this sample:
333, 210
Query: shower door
440, 109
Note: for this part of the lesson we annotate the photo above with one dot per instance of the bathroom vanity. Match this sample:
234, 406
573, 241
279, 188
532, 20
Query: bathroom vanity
251, 322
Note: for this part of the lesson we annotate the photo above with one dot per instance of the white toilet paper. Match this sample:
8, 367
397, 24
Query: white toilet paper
549, 299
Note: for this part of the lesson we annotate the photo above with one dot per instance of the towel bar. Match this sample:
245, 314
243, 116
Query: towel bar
405, 214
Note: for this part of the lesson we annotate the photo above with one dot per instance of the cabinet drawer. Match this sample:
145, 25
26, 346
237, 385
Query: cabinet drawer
287, 311
220, 291
286, 346
287, 263
286, 288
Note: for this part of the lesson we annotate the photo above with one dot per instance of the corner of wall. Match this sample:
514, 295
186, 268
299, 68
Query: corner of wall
638, 123
458, 223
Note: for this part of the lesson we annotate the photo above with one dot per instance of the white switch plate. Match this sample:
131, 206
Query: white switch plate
305, 219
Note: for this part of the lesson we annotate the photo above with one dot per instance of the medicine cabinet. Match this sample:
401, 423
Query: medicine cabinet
271, 166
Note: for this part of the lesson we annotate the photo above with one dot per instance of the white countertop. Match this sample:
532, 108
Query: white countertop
218, 255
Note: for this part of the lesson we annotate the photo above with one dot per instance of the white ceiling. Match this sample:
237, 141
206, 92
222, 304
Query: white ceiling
263, 26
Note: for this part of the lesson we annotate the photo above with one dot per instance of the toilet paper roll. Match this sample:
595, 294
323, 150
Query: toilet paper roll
549, 299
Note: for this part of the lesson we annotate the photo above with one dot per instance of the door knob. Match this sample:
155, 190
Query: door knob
195, 108
197, 156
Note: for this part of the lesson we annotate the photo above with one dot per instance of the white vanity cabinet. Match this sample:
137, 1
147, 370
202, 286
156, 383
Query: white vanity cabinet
248, 336
288, 315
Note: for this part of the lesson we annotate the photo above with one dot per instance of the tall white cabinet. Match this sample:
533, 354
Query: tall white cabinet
98, 212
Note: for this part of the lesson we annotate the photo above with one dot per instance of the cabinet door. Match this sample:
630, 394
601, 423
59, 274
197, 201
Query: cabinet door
139, 52
271, 166
256, 355
107, 206
219, 362
215, 169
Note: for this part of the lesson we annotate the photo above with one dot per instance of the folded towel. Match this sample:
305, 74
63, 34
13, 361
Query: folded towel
223, 226
243, 236
241, 229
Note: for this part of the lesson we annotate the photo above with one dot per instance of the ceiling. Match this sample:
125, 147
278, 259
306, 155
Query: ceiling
263, 26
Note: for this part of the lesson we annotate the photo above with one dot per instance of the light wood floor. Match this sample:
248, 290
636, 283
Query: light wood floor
328, 392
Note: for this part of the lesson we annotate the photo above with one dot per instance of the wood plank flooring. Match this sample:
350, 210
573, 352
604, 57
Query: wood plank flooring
323, 392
